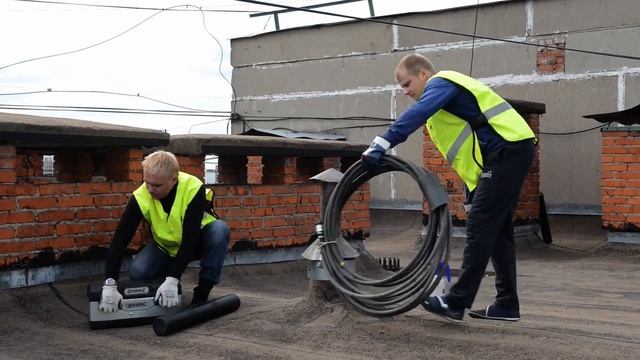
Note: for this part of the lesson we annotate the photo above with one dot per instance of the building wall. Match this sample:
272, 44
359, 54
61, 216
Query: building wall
346, 69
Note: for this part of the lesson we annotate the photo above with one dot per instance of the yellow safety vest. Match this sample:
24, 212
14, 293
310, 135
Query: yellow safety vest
455, 138
167, 229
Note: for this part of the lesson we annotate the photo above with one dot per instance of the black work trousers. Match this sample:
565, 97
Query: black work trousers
490, 226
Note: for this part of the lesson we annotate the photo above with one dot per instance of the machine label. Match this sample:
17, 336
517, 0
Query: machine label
136, 290
137, 304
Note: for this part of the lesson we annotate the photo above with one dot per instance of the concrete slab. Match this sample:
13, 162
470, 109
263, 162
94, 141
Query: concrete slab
51, 132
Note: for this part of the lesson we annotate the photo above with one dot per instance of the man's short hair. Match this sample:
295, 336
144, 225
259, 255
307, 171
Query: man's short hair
161, 163
414, 62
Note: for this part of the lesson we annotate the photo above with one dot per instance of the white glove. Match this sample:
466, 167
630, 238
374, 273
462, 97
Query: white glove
167, 294
110, 298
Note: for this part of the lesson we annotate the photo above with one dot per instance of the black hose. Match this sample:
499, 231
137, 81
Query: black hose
405, 289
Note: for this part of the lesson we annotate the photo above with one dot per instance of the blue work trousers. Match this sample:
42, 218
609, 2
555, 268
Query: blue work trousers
152, 263
490, 226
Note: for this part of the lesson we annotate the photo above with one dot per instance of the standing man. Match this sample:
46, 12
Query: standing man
173, 203
491, 147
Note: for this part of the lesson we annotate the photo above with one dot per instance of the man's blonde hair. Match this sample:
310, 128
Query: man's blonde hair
161, 163
412, 63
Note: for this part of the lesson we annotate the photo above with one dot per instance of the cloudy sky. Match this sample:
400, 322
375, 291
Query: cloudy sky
67, 55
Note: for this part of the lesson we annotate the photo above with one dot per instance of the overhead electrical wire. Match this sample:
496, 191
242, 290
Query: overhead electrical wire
133, 7
89, 46
473, 40
106, 93
124, 32
201, 112
112, 110
416, 27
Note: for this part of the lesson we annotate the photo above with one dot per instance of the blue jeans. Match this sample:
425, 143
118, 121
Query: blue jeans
152, 263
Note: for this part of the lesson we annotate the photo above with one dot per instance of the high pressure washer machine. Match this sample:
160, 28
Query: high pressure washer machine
138, 308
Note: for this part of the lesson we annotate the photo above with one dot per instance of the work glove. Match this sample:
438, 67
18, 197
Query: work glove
167, 294
111, 297
371, 157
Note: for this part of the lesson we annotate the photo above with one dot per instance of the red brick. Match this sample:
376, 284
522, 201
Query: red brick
107, 225
7, 233
58, 242
7, 176
7, 204
93, 240
25, 189
124, 187
74, 228
282, 232
27, 231
16, 247
107, 200
274, 222
56, 215
261, 233
94, 188
93, 213
48, 202
75, 201
58, 189
15, 217
8, 163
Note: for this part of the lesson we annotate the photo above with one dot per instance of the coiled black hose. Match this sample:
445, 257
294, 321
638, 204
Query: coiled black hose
405, 289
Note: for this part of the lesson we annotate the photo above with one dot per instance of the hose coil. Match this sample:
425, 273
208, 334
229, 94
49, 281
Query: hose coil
405, 289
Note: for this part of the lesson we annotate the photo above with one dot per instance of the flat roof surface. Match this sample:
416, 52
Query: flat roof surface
579, 299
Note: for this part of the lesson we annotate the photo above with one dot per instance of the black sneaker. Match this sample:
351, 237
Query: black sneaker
438, 305
200, 295
496, 312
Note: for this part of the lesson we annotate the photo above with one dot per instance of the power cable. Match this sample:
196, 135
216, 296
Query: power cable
404, 290
233, 90
473, 41
312, 117
378, 21
110, 110
134, 7
57, 293
107, 93
90, 46
575, 132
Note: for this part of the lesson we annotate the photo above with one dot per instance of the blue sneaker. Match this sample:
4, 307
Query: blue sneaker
496, 312
438, 305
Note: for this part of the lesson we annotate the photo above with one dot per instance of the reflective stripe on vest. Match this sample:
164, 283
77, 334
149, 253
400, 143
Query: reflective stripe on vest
497, 110
167, 228
455, 148
452, 135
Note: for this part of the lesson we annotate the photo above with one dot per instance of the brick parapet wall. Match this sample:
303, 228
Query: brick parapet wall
528, 208
275, 205
620, 180
45, 220
72, 215
269, 216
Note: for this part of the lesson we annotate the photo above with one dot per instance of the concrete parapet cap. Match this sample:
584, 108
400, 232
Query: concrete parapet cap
50, 132
527, 107
614, 128
211, 144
